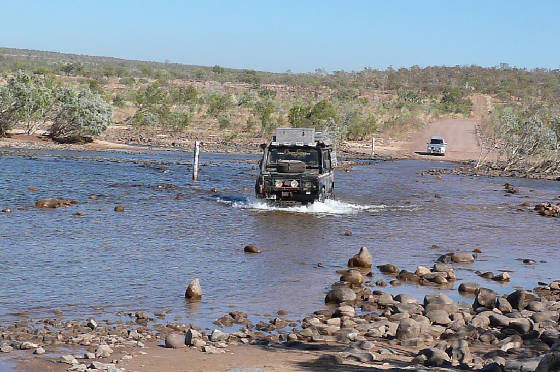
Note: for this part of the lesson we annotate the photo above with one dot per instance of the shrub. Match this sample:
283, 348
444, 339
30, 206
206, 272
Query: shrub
79, 114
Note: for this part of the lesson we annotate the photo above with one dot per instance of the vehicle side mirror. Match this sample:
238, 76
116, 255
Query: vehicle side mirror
263, 146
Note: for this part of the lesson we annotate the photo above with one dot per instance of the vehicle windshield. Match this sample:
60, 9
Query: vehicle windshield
436, 141
309, 156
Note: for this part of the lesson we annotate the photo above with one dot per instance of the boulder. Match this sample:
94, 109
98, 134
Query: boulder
47, 203
422, 270
353, 277
339, 295
407, 329
511, 342
407, 276
444, 268
119, 208
362, 259
5, 348
468, 287
499, 320
439, 298
502, 277
218, 336
520, 299
521, 325
459, 351
480, 321
542, 316
174, 340
536, 306
503, 305
462, 257
194, 291
435, 357
251, 249
103, 351
388, 269
386, 300
484, 297
440, 317
404, 298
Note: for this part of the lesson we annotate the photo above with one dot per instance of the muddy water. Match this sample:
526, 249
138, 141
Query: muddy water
143, 258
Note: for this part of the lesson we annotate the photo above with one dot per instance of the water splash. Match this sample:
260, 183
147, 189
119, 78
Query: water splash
329, 206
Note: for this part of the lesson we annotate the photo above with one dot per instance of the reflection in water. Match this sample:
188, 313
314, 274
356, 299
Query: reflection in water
142, 259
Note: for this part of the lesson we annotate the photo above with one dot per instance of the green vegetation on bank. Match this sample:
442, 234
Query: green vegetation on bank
74, 96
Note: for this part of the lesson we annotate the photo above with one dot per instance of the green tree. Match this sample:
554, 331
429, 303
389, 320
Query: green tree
218, 103
80, 113
299, 114
27, 99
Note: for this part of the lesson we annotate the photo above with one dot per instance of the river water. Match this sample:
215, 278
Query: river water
142, 259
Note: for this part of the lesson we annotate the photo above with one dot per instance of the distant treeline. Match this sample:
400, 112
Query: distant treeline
502, 81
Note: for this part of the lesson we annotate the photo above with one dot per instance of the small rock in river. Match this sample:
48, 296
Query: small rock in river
362, 259
194, 290
251, 249
119, 208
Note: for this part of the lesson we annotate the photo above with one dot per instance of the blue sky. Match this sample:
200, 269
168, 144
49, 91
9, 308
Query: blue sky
296, 35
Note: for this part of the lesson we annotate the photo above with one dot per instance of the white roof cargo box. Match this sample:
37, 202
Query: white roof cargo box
294, 136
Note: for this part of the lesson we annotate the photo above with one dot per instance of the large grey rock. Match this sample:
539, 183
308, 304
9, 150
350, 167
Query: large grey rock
499, 320
541, 316
385, 300
408, 328
341, 294
440, 317
353, 277
511, 342
522, 365
536, 306
103, 351
435, 357
520, 299
550, 336
5, 348
174, 340
388, 269
459, 351
218, 336
191, 336
468, 287
68, 359
405, 299
439, 298
549, 363
484, 297
362, 259
462, 257
444, 268
480, 321
521, 325
503, 305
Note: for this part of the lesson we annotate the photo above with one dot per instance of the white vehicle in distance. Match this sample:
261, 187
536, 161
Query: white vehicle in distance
437, 146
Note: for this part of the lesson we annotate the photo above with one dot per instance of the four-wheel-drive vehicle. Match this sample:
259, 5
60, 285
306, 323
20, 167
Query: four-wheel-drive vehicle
297, 167
437, 146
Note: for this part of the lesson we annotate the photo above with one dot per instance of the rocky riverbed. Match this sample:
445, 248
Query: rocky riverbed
366, 326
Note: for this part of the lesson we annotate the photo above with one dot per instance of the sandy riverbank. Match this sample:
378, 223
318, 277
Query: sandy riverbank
459, 133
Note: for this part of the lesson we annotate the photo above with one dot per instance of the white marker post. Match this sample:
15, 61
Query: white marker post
372, 147
195, 161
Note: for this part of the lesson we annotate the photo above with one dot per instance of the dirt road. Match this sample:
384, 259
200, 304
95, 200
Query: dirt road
460, 135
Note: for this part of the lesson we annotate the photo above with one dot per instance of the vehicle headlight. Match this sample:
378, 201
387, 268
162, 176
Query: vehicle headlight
294, 183
278, 183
